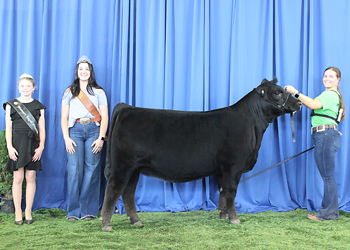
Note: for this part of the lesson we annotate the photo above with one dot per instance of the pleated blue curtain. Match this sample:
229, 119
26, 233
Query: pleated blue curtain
193, 55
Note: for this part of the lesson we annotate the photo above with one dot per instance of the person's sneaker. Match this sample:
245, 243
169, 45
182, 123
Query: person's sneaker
72, 219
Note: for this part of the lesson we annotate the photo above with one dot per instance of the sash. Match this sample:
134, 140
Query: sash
26, 115
89, 105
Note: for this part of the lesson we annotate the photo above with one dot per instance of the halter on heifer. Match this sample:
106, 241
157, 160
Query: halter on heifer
282, 107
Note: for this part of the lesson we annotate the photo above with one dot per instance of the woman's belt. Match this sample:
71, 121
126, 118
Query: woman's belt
87, 120
320, 128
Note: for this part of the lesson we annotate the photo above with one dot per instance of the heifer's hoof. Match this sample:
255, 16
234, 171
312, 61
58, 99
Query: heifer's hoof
107, 228
235, 221
224, 216
138, 224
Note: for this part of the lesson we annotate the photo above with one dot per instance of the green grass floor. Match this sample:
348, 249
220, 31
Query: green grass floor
185, 230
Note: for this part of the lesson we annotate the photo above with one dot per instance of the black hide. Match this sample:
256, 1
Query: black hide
179, 146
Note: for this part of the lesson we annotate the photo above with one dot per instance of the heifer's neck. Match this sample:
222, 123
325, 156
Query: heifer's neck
256, 111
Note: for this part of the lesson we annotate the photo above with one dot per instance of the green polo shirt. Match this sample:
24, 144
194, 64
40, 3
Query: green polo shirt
330, 106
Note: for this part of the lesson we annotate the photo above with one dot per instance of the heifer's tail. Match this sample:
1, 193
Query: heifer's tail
114, 119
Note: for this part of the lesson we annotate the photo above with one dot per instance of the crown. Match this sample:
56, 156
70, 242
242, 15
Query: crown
26, 76
84, 59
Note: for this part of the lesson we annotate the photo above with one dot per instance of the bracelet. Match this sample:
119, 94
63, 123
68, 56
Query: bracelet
297, 94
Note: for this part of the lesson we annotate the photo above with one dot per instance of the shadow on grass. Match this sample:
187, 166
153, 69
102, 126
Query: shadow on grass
342, 213
54, 212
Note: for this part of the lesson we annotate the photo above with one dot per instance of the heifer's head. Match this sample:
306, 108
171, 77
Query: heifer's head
275, 100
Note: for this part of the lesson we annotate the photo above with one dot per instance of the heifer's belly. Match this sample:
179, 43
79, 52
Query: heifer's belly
173, 158
175, 166
179, 173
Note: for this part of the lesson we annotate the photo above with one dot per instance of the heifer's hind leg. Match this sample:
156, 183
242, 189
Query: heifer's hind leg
114, 189
129, 199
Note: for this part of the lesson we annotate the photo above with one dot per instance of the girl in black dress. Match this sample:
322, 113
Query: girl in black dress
24, 146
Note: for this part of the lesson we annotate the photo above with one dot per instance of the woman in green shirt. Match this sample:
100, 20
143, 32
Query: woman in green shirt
328, 110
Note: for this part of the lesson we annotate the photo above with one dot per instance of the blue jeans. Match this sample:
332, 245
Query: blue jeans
327, 144
83, 172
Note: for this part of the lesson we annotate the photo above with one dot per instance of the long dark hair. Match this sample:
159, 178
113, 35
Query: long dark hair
75, 86
338, 74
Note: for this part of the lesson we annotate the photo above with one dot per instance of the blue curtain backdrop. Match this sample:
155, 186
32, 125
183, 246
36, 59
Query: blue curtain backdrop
185, 55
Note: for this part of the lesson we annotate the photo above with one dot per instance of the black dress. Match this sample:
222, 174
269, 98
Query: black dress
23, 139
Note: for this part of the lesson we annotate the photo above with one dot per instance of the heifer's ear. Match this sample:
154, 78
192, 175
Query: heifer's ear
274, 80
260, 90
264, 81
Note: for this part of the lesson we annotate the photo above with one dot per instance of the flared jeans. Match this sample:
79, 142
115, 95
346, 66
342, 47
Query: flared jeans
327, 144
83, 172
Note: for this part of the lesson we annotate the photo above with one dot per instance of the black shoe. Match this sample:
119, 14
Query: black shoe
29, 221
19, 222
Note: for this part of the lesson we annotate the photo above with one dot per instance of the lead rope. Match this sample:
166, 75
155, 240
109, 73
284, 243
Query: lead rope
276, 165
292, 123
293, 135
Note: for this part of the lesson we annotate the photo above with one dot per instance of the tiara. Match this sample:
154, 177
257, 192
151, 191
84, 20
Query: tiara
84, 59
26, 76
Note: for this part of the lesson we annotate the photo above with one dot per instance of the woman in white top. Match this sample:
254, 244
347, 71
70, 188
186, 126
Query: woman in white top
84, 137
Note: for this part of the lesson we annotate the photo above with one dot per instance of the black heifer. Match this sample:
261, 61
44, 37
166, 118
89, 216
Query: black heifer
178, 146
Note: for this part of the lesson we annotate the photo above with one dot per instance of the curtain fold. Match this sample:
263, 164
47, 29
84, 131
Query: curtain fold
192, 55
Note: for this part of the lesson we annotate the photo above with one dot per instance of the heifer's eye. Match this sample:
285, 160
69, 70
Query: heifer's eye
277, 95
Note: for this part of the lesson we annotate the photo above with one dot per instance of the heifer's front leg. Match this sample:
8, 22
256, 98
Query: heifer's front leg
222, 208
129, 199
230, 184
